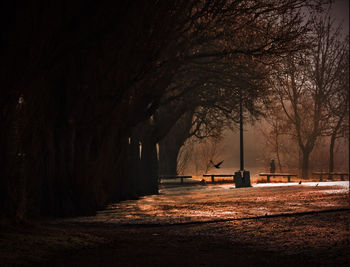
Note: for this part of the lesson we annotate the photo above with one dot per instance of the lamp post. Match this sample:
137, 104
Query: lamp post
242, 177
241, 143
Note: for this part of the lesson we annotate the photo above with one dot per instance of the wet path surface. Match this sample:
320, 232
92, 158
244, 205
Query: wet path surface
197, 203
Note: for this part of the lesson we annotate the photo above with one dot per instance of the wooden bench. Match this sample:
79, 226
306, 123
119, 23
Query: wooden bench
217, 175
182, 177
268, 175
331, 174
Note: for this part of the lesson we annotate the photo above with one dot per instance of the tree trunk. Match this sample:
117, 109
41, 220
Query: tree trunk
278, 153
168, 153
305, 164
149, 167
171, 144
133, 166
331, 153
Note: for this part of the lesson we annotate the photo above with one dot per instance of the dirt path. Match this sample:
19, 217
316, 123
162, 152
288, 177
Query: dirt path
203, 203
314, 239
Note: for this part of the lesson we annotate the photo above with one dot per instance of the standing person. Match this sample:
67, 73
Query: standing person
272, 166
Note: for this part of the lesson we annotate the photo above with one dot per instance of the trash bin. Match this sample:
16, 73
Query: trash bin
242, 181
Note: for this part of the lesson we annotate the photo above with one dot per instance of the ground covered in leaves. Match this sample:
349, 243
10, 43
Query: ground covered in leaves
217, 225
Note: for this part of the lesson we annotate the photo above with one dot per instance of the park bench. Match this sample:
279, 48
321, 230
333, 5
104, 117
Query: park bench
331, 174
268, 175
182, 177
217, 175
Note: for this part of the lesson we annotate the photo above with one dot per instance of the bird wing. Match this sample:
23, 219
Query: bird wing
219, 163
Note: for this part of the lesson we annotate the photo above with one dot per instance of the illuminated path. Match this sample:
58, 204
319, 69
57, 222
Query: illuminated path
196, 204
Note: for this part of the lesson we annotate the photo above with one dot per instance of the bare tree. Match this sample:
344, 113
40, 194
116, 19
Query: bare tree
305, 82
338, 104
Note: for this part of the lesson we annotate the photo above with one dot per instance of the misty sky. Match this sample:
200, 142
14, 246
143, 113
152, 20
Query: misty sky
341, 13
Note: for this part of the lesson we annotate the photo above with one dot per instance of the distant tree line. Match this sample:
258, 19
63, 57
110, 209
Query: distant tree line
312, 91
89, 88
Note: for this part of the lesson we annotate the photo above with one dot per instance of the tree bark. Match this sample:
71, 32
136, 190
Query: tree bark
278, 152
134, 166
331, 152
168, 153
170, 145
305, 163
149, 167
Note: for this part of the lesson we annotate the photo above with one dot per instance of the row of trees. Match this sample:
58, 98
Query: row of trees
89, 88
312, 88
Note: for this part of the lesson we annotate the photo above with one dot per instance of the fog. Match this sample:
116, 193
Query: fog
257, 153
253, 146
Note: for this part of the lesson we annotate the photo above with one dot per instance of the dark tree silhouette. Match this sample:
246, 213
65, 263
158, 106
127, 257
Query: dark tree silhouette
308, 81
338, 103
79, 78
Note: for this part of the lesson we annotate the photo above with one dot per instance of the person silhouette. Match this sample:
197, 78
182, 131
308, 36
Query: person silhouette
272, 166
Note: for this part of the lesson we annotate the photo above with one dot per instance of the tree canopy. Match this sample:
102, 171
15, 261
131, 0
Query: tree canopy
81, 81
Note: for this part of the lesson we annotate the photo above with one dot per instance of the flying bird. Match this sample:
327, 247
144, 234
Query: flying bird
216, 165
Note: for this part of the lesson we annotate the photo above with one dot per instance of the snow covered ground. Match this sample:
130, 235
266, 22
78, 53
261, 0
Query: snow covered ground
184, 204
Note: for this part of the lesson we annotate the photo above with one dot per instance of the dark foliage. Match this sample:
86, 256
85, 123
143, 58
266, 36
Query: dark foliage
81, 80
